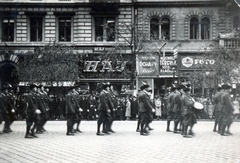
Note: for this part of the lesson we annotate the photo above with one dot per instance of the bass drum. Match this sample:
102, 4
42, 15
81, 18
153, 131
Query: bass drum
198, 105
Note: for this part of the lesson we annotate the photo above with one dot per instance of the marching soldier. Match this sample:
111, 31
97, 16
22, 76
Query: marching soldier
145, 109
170, 103
227, 109
104, 109
189, 118
78, 116
32, 112
216, 111
177, 100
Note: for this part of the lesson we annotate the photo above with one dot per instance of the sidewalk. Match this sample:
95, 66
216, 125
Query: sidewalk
124, 146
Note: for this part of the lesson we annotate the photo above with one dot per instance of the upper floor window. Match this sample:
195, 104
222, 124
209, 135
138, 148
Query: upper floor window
64, 29
161, 31
104, 28
194, 28
7, 29
154, 29
36, 28
205, 29
200, 30
236, 23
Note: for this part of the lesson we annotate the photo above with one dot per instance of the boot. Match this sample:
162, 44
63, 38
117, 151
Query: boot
168, 125
175, 127
223, 130
185, 128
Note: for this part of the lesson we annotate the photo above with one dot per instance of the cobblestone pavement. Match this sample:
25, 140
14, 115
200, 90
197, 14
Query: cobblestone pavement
124, 146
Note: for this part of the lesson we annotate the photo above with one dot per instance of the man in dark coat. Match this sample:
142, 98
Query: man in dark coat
227, 109
134, 107
177, 104
32, 111
145, 108
104, 108
170, 104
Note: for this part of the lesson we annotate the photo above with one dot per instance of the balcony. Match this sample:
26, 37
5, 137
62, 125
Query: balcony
230, 39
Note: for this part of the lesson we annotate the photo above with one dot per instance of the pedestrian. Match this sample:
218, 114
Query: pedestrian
236, 108
170, 103
158, 104
189, 119
227, 109
128, 109
145, 108
32, 112
104, 109
134, 108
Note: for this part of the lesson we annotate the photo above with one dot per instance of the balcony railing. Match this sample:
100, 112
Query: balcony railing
230, 42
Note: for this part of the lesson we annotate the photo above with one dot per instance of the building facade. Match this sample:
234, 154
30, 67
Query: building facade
107, 36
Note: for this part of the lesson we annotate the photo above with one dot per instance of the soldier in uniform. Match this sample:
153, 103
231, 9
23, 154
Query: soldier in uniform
2, 108
78, 116
216, 101
177, 100
170, 103
104, 109
32, 112
70, 111
145, 108
189, 118
227, 109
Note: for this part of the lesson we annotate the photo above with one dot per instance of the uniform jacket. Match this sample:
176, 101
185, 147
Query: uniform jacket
2, 104
227, 104
32, 103
187, 104
105, 101
217, 101
70, 104
170, 102
144, 102
177, 102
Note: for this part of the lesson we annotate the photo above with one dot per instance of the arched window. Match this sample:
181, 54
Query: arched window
236, 23
194, 28
154, 29
165, 29
205, 29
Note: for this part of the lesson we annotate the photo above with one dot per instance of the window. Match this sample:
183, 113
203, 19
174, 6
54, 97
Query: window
64, 31
7, 29
236, 23
104, 28
194, 28
165, 28
36, 28
154, 29
205, 29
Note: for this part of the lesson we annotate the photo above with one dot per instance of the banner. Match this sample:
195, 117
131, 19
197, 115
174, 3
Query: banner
148, 65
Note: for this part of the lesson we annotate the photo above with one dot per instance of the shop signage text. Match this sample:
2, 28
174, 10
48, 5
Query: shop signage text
92, 66
166, 63
148, 65
196, 62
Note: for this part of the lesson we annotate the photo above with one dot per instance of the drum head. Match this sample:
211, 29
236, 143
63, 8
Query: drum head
198, 105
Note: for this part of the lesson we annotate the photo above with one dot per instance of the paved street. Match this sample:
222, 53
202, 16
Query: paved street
124, 146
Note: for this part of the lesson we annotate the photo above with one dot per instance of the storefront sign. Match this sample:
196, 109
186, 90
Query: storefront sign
148, 65
166, 64
93, 66
190, 62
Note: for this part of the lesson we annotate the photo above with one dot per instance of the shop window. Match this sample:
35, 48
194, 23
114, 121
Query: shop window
105, 28
64, 29
7, 29
194, 28
165, 28
154, 29
205, 29
36, 28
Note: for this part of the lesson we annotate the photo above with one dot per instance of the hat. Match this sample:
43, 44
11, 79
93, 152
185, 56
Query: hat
173, 87
185, 88
219, 87
226, 86
144, 85
105, 85
31, 86
39, 86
